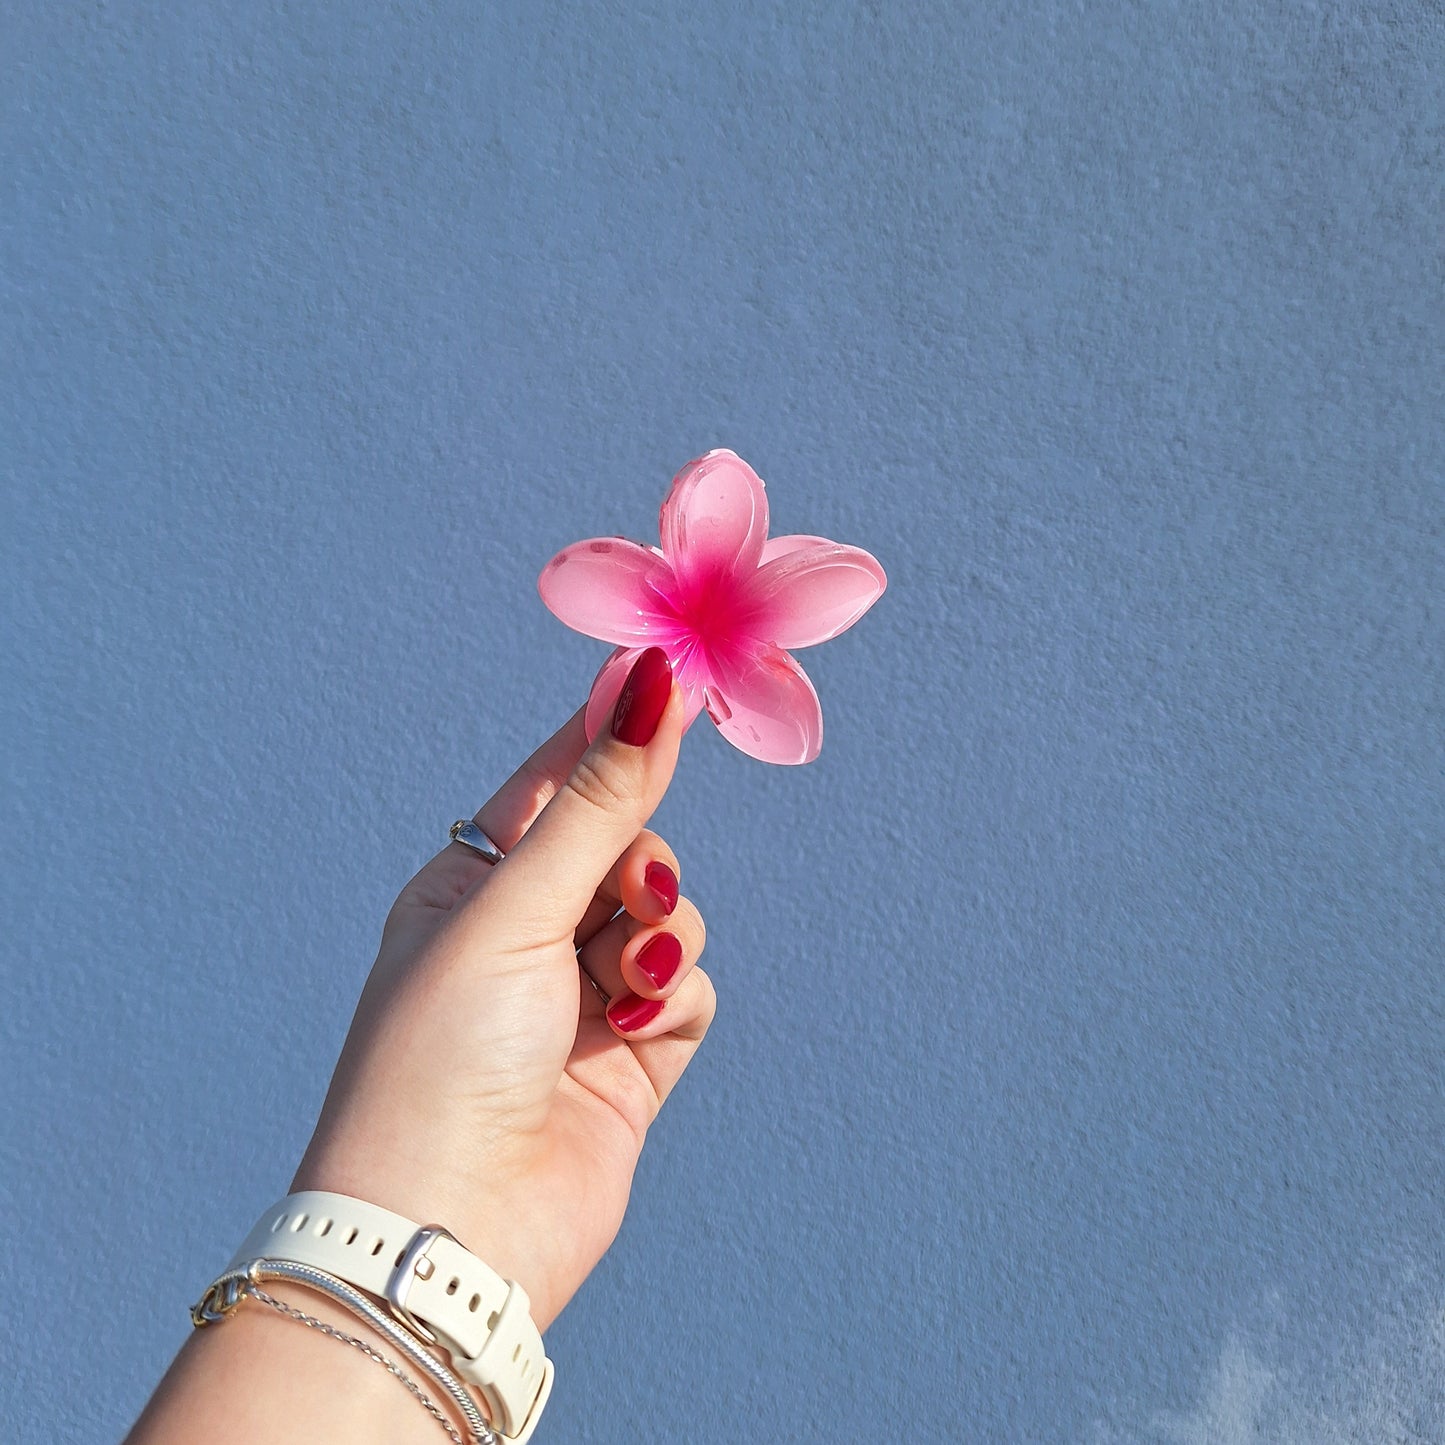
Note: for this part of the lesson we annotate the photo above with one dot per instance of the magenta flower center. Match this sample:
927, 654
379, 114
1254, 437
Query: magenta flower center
714, 615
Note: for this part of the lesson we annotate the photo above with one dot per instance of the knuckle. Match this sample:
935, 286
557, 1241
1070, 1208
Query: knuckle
541, 783
636, 1099
706, 1009
696, 931
604, 786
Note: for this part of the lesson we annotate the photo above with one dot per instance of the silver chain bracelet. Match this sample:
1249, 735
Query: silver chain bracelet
226, 1292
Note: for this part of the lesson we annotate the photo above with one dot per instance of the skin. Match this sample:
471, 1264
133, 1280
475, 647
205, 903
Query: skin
482, 1084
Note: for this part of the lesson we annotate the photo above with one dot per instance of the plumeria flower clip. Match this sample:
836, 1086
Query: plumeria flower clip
724, 602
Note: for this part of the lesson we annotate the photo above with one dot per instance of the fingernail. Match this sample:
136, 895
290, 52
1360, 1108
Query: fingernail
658, 959
630, 1013
663, 882
643, 699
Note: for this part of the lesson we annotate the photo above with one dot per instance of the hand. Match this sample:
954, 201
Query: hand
483, 1085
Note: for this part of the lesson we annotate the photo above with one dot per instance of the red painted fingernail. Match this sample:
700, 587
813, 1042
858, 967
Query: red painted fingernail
663, 882
659, 958
630, 1013
643, 699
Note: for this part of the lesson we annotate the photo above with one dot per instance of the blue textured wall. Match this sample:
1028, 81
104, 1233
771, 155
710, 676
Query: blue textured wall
1078, 1070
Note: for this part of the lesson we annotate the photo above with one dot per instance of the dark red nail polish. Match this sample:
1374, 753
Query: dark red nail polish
643, 699
663, 882
659, 958
630, 1013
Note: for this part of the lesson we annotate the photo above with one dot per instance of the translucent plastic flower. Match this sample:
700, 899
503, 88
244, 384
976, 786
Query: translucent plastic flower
723, 602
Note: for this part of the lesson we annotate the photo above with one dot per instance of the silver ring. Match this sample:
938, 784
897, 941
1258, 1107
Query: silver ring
465, 831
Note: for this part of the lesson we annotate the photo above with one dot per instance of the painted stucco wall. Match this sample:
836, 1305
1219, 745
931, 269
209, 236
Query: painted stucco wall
1078, 1069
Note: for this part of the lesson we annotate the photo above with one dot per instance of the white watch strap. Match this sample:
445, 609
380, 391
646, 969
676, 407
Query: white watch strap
483, 1321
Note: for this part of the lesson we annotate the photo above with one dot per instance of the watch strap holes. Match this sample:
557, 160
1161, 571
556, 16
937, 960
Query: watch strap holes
280, 1220
351, 1237
299, 1223
323, 1227
472, 1303
452, 1287
377, 1245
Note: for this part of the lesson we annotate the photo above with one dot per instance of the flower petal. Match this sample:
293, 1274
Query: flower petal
763, 703
607, 587
607, 687
715, 518
814, 592
693, 674
776, 547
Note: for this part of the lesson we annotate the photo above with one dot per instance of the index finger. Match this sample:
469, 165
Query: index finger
606, 800
504, 817
514, 807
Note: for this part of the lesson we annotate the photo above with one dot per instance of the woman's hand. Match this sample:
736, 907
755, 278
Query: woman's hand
483, 1084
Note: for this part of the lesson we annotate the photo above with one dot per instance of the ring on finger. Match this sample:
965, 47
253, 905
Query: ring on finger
466, 832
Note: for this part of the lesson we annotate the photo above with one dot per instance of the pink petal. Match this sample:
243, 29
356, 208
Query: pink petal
814, 592
607, 686
776, 547
715, 518
607, 587
693, 674
763, 703
605, 689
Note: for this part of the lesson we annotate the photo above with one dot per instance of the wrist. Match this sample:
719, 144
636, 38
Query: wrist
442, 1310
268, 1377
511, 1233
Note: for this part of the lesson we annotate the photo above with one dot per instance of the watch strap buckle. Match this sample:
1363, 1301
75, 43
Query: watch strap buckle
414, 1265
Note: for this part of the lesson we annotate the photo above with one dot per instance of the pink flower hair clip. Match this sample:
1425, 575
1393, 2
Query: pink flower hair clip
723, 601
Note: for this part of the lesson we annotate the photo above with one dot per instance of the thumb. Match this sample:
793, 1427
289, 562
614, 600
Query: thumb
554, 872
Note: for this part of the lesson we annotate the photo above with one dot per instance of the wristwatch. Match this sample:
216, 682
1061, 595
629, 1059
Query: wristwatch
439, 1290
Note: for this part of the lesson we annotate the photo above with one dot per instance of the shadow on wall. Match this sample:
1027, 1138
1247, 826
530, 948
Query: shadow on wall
1389, 1390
